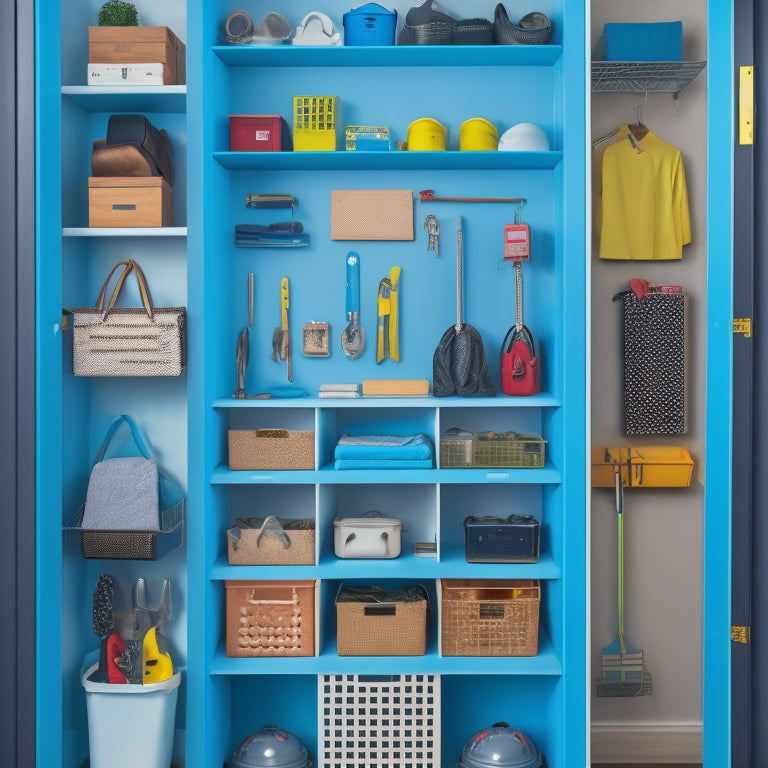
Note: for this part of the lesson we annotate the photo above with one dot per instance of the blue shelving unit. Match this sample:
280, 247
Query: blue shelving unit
195, 263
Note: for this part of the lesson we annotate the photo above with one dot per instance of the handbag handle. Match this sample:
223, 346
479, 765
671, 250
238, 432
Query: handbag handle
272, 525
130, 266
136, 434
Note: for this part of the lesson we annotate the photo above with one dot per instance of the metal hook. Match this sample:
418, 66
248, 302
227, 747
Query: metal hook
639, 109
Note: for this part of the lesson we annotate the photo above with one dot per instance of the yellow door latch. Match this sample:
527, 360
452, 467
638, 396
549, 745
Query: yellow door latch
743, 325
740, 634
746, 105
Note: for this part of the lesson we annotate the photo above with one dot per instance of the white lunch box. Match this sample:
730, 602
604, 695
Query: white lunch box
367, 537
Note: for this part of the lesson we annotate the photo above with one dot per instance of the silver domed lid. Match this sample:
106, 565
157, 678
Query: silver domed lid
500, 747
271, 747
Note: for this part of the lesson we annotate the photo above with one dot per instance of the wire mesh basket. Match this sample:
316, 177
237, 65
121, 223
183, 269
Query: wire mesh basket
491, 617
462, 448
379, 721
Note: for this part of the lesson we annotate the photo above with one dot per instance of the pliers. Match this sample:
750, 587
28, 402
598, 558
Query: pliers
387, 344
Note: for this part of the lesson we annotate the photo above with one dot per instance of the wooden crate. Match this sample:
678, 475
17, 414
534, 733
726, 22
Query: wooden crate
139, 45
129, 201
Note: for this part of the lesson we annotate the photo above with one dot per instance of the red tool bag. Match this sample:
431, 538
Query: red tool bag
520, 368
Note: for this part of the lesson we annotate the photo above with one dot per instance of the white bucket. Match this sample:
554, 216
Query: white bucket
130, 725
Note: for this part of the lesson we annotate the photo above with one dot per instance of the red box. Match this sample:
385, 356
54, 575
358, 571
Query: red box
259, 133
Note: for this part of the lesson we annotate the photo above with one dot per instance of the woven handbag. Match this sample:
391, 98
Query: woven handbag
128, 341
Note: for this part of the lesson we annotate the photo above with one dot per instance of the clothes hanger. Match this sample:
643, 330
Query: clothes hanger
638, 129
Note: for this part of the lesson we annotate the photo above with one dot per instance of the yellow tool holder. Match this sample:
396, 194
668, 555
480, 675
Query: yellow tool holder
642, 467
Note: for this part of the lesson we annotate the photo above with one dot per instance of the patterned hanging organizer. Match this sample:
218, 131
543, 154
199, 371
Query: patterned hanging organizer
654, 359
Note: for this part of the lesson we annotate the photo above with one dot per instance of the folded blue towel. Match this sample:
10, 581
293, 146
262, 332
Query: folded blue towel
383, 464
384, 447
654, 41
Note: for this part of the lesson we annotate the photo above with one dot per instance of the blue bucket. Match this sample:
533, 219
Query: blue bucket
370, 24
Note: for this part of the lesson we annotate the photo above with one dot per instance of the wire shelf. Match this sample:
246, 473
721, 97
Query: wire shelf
645, 76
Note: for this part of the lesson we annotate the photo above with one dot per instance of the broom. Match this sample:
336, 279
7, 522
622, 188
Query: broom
622, 665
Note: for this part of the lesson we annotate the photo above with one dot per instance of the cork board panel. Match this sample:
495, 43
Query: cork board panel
375, 214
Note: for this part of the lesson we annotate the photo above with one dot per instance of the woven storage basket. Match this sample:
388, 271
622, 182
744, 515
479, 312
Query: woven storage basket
490, 618
271, 449
271, 541
371, 622
270, 618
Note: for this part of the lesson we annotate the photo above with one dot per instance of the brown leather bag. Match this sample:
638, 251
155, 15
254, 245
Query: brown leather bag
133, 147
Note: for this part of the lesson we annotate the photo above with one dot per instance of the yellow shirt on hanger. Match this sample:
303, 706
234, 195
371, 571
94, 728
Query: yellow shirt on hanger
644, 207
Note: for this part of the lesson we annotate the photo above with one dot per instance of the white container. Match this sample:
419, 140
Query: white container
131, 725
125, 74
367, 537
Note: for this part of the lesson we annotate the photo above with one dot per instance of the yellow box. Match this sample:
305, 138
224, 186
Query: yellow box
642, 467
139, 45
129, 201
314, 123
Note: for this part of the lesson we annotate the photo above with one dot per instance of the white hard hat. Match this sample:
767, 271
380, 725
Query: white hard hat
524, 137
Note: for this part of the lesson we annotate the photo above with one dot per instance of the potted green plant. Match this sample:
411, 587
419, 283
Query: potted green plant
116, 13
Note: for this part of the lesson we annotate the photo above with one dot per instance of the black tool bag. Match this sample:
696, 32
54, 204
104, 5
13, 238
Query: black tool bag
133, 147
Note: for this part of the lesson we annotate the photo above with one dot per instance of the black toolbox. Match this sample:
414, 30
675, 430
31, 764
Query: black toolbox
513, 539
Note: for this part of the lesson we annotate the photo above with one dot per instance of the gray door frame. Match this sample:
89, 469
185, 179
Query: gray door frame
17, 403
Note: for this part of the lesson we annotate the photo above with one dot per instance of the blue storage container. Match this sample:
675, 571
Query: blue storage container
370, 24
656, 41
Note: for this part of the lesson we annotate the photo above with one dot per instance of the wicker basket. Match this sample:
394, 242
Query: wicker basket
372, 622
271, 449
270, 618
490, 618
271, 541
534, 28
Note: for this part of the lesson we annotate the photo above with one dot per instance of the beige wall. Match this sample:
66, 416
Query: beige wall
663, 528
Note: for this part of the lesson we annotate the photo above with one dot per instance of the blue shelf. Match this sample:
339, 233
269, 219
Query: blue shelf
389, 161
388, 55
128, 98
124, 232
543, 400
403, 567
545, 662
547, 474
